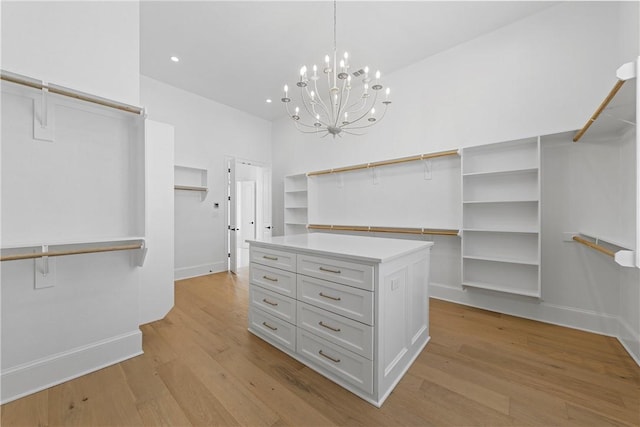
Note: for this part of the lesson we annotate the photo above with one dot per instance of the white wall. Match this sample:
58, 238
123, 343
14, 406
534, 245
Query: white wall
89, 319
541, 75
205, 133
91, 46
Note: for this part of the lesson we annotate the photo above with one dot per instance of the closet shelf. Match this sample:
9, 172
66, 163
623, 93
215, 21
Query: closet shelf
499, 201
506, 230
502, 259
619, 106
620, 254
296, 191
501, 172
493, 287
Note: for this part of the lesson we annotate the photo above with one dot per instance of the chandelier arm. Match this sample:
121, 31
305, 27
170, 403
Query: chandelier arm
339, 113
306, 107
355, 104
322, 104
352, 133
297, 122
375, 98
384, 112
307, 131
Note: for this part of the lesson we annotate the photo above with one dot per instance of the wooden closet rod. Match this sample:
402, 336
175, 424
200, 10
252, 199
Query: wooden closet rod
36, 84
600, 109
386, 162
72, 252
189, 188
400, 230
595, 246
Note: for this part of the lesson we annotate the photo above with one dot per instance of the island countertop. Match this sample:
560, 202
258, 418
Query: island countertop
358, 248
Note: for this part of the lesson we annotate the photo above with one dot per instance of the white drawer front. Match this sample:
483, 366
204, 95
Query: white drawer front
336, 361
273, 258
348, 273
272, 329
274, 279
347, 333
273, 303
354, 303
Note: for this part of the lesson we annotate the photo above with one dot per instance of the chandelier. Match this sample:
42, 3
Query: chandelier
341, 109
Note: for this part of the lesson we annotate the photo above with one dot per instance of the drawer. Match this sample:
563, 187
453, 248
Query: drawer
345, 272
272, 329
273, 303
335, 361
354, 303
273, 279
347, 333
273, 258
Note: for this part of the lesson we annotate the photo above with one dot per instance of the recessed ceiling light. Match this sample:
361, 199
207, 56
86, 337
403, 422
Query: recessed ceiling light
268, 100
175, 59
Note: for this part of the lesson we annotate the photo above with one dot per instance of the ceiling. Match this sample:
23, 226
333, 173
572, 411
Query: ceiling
240, 53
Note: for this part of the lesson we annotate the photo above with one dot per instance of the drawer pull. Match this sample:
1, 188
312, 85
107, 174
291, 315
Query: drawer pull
330, 270
273, 279
272, 258
328, 357
273, 328
328, 327
269, 302
330, 297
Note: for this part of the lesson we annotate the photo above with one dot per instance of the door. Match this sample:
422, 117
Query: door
265, 224
231, 215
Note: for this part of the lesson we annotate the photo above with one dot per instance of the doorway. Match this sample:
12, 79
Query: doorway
248, 208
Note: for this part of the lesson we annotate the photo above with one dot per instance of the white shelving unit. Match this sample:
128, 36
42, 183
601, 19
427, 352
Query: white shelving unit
501, 217
189, 178
295, 204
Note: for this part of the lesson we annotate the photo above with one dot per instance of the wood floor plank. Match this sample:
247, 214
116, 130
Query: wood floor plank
162, 411
32, 410
202, 367
200, 406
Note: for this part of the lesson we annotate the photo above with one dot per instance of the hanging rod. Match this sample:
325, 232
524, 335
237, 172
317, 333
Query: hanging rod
72, 252
595, 246
37, 84
189, 188
399, 230
599, 110
386, 162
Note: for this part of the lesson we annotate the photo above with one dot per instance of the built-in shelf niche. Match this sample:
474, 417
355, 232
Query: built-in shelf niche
501, 217
190, 178
295, 204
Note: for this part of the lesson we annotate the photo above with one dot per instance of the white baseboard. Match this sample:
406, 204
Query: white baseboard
199, 270
32, 377
630, 340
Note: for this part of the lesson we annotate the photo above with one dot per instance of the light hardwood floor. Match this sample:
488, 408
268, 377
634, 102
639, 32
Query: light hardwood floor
202, 367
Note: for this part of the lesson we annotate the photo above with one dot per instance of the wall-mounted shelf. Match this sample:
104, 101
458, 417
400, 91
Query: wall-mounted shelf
189, 178
620, 254
501, 217
295, 204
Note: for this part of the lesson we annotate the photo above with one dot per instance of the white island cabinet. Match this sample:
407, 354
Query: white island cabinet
353, 308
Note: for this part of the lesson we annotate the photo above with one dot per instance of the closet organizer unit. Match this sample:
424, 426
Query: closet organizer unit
295, 204
501, 217
72, 171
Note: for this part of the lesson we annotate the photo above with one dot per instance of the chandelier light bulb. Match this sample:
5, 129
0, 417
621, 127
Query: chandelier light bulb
286, 90
378, 75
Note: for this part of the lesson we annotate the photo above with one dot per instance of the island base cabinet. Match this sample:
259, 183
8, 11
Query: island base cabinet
359, 312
